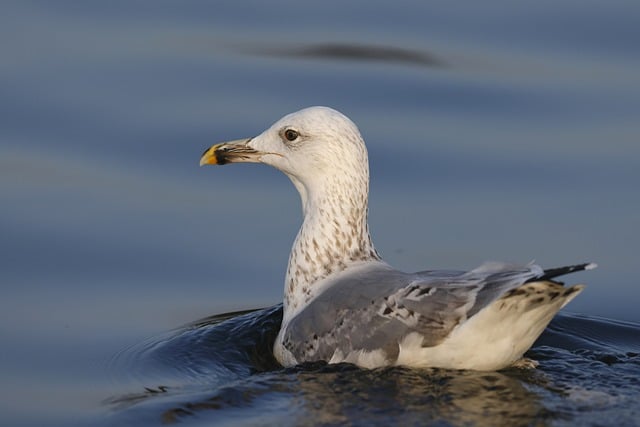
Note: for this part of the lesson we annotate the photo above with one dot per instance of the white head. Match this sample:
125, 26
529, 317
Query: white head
322, 152
316, 147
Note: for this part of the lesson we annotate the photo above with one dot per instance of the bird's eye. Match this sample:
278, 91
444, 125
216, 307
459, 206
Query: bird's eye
291, 134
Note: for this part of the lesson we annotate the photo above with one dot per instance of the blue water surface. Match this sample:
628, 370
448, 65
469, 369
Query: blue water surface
496, 131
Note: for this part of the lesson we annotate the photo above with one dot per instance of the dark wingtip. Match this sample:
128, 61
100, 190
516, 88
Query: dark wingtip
550, 273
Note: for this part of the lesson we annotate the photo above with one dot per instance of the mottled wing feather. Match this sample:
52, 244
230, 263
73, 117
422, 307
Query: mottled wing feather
375, 310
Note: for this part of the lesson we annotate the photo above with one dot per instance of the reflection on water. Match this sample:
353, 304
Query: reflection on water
221, 369
414, 396
345, 394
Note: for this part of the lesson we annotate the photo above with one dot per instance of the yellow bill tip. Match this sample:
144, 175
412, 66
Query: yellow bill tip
209, 156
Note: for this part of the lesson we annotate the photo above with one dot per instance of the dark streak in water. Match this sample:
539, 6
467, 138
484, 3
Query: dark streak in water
348, 51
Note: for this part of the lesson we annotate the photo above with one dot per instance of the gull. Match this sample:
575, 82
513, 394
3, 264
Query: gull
343, 303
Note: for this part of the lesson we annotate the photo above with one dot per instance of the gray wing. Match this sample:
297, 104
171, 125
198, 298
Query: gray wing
376, 308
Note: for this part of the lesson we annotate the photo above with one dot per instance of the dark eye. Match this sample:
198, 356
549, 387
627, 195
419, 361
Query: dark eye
291, 135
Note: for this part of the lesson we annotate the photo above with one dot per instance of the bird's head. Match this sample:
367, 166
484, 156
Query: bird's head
311, 146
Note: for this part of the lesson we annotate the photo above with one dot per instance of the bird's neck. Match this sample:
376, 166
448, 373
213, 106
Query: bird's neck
334, 235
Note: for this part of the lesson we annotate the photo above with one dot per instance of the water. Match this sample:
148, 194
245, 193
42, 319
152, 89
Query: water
220, 370
496, 131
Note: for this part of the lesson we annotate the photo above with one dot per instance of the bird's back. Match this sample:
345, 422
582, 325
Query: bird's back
380, 316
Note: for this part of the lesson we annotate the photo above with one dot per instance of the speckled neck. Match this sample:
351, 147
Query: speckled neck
333, 236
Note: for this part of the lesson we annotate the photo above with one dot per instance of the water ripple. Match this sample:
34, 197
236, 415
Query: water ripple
221, 368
